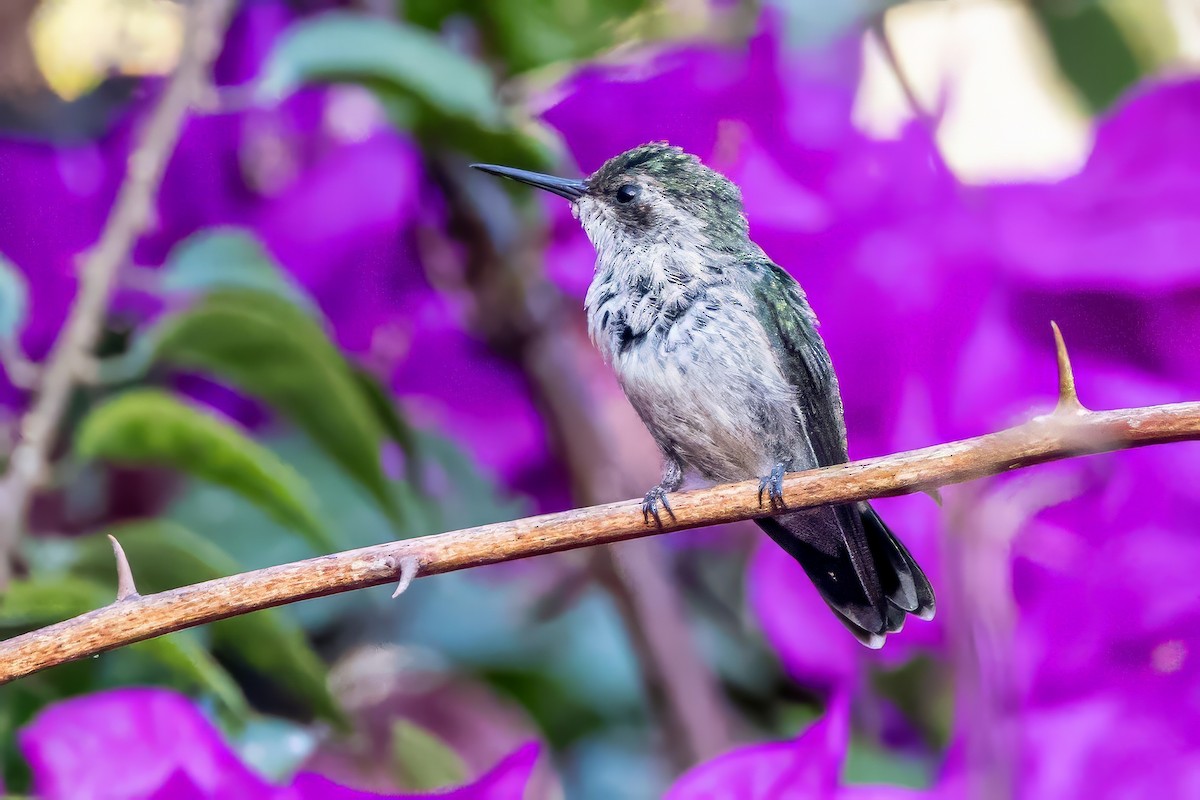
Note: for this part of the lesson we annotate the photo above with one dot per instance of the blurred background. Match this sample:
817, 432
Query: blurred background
334, 334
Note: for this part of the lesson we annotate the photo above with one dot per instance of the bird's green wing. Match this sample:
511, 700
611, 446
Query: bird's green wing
859, 567
792, 328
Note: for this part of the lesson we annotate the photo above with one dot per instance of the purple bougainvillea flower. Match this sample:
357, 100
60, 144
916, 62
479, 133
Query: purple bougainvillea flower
153, 744
54, 204
1080, 232
506, 781
342, 229
129, 744
251, 34
1112, 251
805, 768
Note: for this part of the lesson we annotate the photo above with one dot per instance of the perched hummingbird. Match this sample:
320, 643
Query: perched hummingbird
717, 349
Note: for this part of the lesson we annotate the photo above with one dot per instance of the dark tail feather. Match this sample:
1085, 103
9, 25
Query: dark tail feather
904, 584
861, 570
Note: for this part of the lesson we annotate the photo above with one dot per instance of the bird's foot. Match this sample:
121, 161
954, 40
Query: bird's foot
651, 502
772, 486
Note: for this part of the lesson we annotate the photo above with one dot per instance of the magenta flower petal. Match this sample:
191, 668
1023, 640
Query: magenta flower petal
505, 781
180, 786
153, 744
129, 744
340, 230
249, 38
1102, 747
1127, 221
805, 768
55, 201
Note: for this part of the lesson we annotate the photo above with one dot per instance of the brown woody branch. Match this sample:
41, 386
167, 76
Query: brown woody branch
132, 212
1050, 437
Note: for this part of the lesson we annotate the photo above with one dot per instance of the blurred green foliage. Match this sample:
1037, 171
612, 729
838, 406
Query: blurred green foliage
437, 94
150, 427
1091, 49
267, 347
423, 762
521, 35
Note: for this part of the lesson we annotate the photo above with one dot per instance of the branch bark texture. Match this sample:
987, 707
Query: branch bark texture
131, 214
1051, 437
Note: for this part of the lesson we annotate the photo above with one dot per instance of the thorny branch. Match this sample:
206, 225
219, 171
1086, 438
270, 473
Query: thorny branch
1049, 437
205, 27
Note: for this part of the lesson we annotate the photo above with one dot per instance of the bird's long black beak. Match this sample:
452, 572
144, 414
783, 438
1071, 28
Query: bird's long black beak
563, 187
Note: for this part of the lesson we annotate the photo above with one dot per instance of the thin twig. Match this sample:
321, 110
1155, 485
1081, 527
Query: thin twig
930, 119
21, 371
878, 27
130, 215
1049, 437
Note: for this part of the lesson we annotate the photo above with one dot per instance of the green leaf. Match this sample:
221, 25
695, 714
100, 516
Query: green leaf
347, 47
39, 601
267, 347
426, 87
228, 258
424, 762
1091, 49
526, 34
867, 763
184, 655
14, 300
151, 427
532, 33
165, 556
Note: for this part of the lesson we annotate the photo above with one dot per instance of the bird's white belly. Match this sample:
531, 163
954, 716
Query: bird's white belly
713, 396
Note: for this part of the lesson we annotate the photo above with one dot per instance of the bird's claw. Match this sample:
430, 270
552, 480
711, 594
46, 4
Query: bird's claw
772, 485
651, 502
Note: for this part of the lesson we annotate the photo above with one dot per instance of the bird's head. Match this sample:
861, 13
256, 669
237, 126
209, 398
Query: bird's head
652, 193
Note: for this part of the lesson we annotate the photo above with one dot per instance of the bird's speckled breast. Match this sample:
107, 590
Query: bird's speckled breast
702, 376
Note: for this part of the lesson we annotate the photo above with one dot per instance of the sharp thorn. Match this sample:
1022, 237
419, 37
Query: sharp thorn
409, 567
936, 494
1068, 400
125, 586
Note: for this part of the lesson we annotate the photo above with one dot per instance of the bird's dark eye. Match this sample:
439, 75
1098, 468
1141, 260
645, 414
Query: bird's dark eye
628, 193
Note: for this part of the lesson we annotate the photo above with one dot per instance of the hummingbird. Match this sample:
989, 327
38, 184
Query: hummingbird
717, 349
